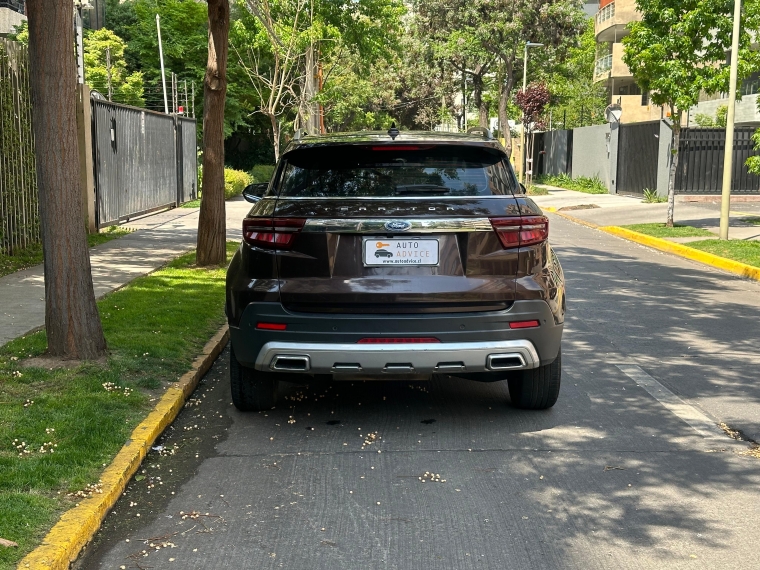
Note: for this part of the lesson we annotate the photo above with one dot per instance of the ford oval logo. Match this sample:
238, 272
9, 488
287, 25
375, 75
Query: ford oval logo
397, 226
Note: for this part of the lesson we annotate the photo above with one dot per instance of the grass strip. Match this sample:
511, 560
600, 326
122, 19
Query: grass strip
58, 428
662, 231
739, 250
579, 184
32, 255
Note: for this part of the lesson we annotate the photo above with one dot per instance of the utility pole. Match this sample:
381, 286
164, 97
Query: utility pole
108, 72
174, 92
728, 157
80, 47
464, 100
161, 57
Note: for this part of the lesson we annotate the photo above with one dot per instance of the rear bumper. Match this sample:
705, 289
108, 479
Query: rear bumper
327, 344
440, 358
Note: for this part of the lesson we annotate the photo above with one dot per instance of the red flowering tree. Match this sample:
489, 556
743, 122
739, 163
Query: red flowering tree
532, 102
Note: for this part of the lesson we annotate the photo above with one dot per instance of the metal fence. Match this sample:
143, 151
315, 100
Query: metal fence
638, 148
143, 161
19, 205
700, 162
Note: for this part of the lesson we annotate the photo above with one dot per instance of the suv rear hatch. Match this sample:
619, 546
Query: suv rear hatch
396, 228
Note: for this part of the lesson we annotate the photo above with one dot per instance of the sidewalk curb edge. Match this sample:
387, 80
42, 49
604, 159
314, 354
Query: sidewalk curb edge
76, 527
725, 264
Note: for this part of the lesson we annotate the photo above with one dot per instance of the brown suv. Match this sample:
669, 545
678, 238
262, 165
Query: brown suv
398, 256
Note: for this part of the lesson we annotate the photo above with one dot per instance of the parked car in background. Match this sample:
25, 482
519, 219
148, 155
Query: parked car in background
397, 256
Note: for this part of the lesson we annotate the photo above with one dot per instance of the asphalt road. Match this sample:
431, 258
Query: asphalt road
628, 470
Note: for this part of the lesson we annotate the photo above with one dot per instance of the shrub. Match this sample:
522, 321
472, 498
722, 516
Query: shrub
262, 173
234, 182
651, 197
581, 183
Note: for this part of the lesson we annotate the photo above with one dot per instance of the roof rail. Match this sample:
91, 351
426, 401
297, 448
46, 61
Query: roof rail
483, 131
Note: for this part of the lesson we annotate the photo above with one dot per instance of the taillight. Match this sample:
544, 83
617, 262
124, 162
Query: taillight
271, 233
520, 231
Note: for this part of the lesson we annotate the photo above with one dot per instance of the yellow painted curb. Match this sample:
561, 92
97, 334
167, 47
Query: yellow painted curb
688, 252
77, 526
678, 249
572, 218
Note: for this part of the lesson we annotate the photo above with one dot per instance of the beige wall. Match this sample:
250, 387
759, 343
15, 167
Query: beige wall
619, 69
9, 19
635, 112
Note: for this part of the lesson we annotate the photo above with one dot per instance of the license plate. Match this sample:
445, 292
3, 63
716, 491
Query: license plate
409, 251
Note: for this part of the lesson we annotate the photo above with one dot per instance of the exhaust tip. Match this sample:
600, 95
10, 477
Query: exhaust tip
290, 363
505, 362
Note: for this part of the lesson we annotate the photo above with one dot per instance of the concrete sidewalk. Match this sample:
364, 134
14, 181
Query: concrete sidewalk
614, 210
157, 239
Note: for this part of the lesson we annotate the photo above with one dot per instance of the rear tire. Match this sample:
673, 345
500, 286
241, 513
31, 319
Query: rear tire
252, 390
538, 388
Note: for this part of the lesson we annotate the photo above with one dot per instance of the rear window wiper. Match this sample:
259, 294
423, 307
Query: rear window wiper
421, 189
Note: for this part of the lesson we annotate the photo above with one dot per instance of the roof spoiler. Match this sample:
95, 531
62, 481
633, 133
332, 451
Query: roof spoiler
482, 131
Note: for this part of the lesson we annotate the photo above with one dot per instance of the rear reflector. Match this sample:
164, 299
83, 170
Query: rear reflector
519, 231
271, 233
398, 340
271, 326
524, 324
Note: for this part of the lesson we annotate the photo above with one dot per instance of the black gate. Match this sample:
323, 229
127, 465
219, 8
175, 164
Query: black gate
143, 161
700, 162
638, 146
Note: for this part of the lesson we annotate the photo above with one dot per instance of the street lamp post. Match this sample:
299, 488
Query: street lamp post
525, 86
728, 157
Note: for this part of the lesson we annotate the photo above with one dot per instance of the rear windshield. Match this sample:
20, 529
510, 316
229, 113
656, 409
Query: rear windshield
416, 171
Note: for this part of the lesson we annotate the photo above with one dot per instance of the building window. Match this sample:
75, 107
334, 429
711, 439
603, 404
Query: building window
644, 98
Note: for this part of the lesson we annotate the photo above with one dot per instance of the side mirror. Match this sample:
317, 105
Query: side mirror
254, 192
522, 187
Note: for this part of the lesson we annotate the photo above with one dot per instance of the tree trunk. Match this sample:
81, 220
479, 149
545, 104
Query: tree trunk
477, 95
275, 135
72, 322
212, 230
673, 167
505, 90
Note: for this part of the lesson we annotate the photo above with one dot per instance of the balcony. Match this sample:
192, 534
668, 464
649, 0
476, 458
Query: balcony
15, 5
610, 21
611, 65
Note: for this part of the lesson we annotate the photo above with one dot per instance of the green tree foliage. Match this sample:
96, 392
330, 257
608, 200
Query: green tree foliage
719, 120
184, 32
576, 100
677, 52
491, 35
20, 33
126, 87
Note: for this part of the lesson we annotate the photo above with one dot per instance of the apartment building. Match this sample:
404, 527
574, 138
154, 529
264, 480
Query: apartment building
610, 27
12, 13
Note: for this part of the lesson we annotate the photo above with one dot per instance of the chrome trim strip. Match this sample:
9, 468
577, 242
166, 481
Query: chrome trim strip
383, 359
402, 198
377, 226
